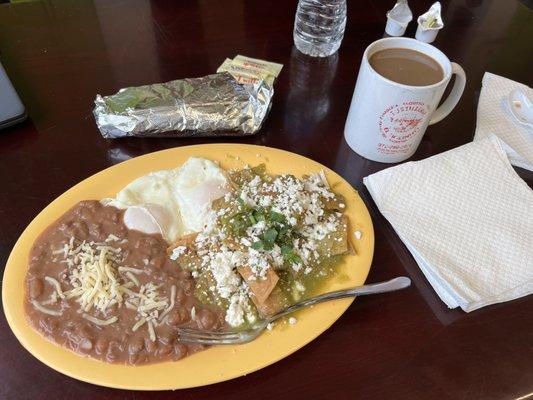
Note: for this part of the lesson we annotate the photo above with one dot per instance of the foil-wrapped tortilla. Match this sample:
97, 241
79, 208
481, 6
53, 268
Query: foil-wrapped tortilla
213, 105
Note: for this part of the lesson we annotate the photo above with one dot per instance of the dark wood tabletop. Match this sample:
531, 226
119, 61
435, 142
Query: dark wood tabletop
407, 345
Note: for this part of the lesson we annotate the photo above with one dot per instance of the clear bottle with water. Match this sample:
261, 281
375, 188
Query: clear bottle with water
319, 26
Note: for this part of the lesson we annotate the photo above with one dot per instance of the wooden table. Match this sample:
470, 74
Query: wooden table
60, 54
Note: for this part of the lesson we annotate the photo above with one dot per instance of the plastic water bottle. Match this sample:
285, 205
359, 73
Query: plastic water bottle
319, 26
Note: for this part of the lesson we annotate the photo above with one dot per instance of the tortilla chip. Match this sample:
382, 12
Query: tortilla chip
260, 288
273, 304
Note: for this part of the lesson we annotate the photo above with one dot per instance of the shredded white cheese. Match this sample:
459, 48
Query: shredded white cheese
112, 238
132, 270
132, 278
44, 309
148, 303
171, 306
51, 300
99, 321
56, 284
138, 324
93, 276
151, 331
93, 272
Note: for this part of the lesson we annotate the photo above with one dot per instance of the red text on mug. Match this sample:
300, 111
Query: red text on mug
400, 122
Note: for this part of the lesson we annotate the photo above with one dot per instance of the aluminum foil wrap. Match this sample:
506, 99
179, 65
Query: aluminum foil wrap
213, 105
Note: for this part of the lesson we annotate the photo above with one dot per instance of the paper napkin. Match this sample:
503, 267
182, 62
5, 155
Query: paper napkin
494, 117
467, 218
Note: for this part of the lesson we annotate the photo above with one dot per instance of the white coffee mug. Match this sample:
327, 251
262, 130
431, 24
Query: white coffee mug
387, 119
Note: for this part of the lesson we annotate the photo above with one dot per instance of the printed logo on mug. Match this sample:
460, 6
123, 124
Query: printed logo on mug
400, 83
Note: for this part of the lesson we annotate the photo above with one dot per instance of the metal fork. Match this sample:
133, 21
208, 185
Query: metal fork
187, 335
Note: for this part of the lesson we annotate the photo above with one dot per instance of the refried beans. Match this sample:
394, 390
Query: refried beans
110, 293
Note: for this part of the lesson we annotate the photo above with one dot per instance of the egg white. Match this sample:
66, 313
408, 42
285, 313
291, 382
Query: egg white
172, 202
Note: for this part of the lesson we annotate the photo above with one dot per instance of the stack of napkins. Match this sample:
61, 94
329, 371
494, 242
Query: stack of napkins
467, 218
495, 117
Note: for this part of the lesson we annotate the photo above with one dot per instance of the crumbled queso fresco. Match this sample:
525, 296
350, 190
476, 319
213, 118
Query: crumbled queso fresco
264, 242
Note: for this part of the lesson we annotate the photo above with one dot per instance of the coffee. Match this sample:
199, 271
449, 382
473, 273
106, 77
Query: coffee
406, 66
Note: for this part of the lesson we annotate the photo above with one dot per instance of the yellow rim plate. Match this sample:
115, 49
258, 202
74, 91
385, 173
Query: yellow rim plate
215, 364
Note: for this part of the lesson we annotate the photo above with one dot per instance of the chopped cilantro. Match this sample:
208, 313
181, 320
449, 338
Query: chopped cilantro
292, 258
257, 245
270, 235
290, 255
277, 217
268, 246
259, 215
286, 249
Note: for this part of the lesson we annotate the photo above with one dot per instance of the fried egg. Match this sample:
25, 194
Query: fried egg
172, 202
